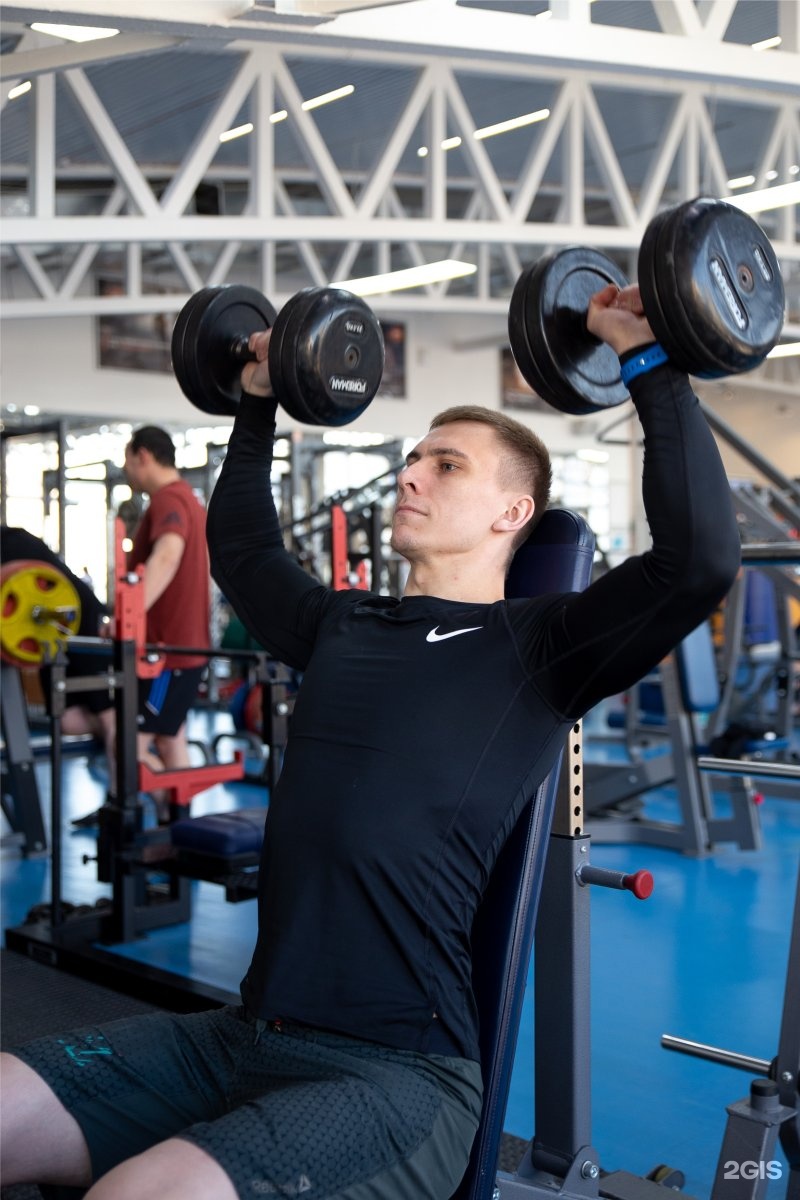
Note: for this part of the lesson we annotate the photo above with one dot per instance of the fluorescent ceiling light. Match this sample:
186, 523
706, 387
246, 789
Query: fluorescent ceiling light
787, 350
451, 143
514, 123
395, 281
20, 89
593, 456
742, 181
334, 438
767, 44
282, 114
766, 198
239, 131
327, 97
74, 33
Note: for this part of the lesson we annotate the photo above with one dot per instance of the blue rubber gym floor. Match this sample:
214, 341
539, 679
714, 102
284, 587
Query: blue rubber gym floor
704, 958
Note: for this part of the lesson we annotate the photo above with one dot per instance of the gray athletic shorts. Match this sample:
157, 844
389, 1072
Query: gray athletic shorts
287, 1111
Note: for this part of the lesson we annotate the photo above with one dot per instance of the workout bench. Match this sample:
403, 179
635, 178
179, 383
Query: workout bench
691, 691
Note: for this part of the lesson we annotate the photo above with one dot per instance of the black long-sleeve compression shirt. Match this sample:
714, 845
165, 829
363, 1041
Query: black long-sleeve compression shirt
410, 757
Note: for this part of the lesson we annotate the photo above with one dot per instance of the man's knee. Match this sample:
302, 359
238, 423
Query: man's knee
41, 1141
172, 1170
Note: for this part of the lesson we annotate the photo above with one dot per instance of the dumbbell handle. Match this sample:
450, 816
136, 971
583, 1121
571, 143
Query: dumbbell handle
41, 614
240, 350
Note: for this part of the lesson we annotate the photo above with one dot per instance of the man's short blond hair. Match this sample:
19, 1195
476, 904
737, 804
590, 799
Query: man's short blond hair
525, 467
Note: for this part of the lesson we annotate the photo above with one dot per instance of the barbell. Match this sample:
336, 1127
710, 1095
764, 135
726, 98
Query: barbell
326, 352
711, 290
40, 609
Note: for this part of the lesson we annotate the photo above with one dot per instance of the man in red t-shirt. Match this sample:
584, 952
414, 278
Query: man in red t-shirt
171, 542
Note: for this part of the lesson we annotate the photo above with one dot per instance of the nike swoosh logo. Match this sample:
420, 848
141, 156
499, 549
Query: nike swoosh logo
433, 636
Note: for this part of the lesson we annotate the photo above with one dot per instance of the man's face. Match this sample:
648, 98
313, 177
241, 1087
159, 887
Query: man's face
448, 494
135, 469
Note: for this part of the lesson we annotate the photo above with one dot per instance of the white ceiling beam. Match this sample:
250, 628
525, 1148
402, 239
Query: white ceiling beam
716, 17
542, 150
190, 12
42, 186
35, 272
262, 140
312, 144
789, 25
475, 152
713, 175
118, 154
183, 184
59, 57
668, 147
436, 162
186, 267
78, 230
519, 38
606, 160
382, 175
678, 17
302, 245
85, 256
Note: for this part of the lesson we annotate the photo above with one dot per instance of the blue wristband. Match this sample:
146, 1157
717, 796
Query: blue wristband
640, 364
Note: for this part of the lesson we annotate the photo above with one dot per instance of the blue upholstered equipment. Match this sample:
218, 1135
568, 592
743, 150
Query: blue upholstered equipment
557, 558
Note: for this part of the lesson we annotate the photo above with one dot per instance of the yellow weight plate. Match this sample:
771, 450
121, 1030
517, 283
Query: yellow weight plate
39, 609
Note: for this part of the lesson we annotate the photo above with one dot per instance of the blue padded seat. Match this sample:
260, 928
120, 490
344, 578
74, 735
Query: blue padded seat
227, 834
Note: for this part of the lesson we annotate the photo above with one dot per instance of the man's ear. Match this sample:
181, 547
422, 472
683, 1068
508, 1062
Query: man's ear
516, 515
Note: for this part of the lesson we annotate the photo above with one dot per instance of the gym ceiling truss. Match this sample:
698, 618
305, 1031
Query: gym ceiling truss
312, 214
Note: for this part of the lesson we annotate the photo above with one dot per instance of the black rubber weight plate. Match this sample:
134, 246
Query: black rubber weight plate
582, 372
233, 312
729, 284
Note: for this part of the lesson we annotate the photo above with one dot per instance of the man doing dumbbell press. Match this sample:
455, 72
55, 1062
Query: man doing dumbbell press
421, 729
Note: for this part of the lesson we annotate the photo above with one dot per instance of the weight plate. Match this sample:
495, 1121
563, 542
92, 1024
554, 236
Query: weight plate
689, 352
573, 371
654, 272
337, 356
670, 324
218, 321
274, 354
182, 359
518, 332
40, 608
283, 352
729, 291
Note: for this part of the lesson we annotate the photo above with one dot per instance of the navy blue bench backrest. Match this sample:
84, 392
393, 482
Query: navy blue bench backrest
697, 670
557, 558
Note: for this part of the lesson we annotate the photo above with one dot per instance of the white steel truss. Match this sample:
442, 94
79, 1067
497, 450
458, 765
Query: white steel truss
311, 215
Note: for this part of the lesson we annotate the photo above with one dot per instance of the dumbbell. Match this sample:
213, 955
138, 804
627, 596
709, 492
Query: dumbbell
326, 351
711, 290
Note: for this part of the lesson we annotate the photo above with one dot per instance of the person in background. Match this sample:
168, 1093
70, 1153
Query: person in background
170, 543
